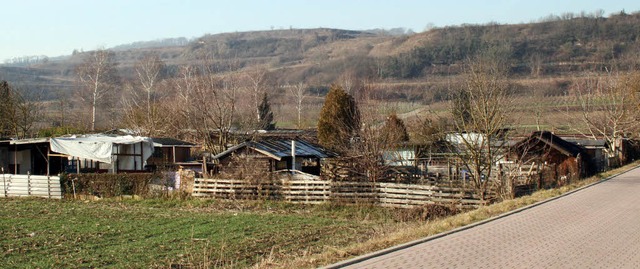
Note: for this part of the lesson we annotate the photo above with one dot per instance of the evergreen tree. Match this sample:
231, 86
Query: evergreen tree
17, 114
394, 130
339, 120
265, 121
5, 107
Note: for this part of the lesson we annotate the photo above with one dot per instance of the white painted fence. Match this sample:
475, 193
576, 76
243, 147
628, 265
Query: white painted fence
30, 185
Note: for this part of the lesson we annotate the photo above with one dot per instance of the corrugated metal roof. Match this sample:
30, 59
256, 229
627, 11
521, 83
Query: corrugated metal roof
279, 148
231, 149
282, 148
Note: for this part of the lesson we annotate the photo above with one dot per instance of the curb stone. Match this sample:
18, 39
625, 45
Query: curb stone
463, 228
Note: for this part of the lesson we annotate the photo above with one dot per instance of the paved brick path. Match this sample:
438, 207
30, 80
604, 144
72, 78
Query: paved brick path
597, 227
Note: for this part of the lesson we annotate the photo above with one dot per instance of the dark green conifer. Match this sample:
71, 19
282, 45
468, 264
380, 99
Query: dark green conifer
339, 120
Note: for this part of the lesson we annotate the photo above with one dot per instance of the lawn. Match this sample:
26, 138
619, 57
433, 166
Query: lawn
197, 233
42, 233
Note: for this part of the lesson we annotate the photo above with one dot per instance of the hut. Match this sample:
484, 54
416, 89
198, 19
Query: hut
558, 159
252, 159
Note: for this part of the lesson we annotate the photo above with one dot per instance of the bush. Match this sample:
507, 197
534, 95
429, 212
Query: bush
108, 185
426, 212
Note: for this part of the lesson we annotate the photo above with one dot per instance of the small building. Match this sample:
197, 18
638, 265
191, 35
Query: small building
171, 153
87, 153
559, 158
104, 153
29, 156
596, 149
253, 159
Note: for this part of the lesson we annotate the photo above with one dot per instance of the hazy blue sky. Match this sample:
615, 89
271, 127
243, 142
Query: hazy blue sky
57, 27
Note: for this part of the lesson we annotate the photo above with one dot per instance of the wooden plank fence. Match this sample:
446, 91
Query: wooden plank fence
411, 195
306, 191
30, 185
397, 195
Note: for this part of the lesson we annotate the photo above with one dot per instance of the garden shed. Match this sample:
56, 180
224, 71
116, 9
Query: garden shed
29, 156
105, 153
171, 153
254, 158
561, 158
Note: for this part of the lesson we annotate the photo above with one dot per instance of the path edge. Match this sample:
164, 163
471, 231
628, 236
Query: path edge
385, 251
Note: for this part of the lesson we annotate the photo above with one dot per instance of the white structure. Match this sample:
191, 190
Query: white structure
117, 153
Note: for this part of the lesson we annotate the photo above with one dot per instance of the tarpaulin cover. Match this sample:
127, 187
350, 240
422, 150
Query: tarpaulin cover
99, 147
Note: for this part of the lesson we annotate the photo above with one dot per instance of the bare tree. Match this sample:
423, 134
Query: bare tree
298, 93
149, 71
257, 79
351, 84
481, 110
536, 63
208, 103
185, 86
96, 77
143, 106
609, 108
348, 82
371, 145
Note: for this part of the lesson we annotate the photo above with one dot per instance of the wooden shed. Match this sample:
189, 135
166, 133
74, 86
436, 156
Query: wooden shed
558, 158
171, 153
257, 158
596, 149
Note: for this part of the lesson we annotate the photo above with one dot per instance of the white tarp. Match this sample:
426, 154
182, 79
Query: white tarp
101, 147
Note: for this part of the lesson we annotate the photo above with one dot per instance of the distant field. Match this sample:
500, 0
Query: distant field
153, 233
527, 113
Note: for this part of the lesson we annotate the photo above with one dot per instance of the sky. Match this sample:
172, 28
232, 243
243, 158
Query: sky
57, 27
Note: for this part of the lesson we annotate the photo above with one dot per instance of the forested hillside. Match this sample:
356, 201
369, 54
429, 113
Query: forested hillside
296, 66
555, 45
571, 43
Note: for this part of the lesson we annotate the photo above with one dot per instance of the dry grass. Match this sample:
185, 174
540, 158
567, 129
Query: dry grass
413, 231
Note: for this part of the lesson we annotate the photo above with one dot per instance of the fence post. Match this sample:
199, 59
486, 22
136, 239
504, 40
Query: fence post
4, 183
73, 185
49, 185
29, 183
449, 172
306, 183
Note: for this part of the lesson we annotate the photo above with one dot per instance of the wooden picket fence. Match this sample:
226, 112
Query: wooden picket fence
30, 185
397, 195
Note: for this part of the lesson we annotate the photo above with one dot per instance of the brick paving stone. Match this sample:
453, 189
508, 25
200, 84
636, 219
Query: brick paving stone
597, 227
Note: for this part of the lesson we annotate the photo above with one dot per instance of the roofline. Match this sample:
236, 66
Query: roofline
266, 153
158, 145
29, 141
229, 150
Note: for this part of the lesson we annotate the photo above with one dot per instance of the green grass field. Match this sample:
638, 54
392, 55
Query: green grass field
195, 233
40, 233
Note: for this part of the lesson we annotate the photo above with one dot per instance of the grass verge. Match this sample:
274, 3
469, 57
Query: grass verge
415, 231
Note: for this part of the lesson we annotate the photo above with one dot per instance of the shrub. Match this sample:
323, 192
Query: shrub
426, 212
108, 185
